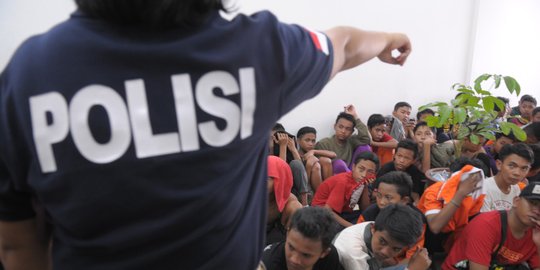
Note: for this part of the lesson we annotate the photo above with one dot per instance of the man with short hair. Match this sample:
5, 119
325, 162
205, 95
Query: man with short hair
381, 143
402, 128
536, 115
404, 159
492, 151
343, 142
482, 237
308, 244
372, 245
523, 112
513, 163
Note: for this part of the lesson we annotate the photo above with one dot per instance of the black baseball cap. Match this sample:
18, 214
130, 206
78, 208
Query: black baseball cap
531, 192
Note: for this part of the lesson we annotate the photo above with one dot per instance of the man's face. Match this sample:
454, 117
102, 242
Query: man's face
528, 211
301, 252
423, 133
403, 159
513, 169
536, 117
525, 109
403, 113
387, 194
307, 141
472, 147
344, 129
377, 132
500, 142
383, 246
363, 168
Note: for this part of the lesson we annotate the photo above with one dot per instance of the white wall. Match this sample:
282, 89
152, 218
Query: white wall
507, 43
444, 34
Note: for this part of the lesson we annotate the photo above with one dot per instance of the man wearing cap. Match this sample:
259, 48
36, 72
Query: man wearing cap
482, 237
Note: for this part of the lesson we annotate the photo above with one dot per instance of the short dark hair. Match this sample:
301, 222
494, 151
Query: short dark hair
160, 14
503, 99
425, 111
346, 116
410, 145
401, 180
528, 98
315, 223
278, 127
533, 130
401, 222
401, 104
305, 130
536, 151
421, 124
519, 149
536, 110
375, 120
368, 155
462, 161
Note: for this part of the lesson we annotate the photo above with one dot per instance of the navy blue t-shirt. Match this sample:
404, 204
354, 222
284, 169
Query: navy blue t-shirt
147, 149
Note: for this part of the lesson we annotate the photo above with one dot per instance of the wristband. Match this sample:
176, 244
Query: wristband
454, 203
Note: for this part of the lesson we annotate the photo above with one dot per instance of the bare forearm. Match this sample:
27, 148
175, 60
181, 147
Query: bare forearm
338, 218
389, 144
438, 221
426, 158
325, 153
22, 246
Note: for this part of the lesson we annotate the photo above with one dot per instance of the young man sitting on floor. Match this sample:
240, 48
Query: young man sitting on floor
372, 245
308, 244
342, 192
514, 239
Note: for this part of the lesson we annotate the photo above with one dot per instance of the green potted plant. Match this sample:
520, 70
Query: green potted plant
471, 115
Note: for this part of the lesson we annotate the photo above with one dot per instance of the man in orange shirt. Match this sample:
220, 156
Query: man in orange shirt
381, 142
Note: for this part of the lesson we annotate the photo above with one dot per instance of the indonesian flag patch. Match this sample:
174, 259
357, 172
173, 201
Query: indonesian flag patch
319, 40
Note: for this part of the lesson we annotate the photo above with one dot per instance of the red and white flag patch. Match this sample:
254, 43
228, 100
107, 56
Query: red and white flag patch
319, 40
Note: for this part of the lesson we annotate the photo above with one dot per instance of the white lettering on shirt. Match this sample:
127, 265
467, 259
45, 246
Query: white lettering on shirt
53, 120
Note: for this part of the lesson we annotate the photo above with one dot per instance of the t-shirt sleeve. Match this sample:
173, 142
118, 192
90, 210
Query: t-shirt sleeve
430, 204
486, 236
14, 205
336, 198
308, 62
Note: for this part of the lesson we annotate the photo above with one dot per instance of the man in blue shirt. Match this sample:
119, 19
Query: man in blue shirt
140, 128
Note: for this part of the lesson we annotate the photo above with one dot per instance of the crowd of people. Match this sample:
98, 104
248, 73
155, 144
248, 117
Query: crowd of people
375, 182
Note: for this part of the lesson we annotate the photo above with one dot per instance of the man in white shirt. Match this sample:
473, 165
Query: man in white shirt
514, 163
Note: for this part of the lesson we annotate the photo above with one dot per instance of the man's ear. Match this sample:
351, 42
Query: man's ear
406, 199
498, 162
326, 252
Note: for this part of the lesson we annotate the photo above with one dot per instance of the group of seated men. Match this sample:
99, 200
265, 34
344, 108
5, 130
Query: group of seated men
376, 203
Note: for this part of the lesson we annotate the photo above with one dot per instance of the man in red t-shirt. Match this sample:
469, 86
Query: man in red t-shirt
483, 235
342, 192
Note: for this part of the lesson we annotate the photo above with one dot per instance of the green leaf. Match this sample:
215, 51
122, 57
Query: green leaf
465, 90
432, 104
472, 101
499, 103
506, 127
432, 120
459, 115
444, 114
479, 80
488, 135
484, 92
463, 132
488, 103
497, 79
518, 132
512, 85
474, 139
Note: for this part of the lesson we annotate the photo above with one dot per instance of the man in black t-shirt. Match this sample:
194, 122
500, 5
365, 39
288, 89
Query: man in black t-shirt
308, 244
404, 158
